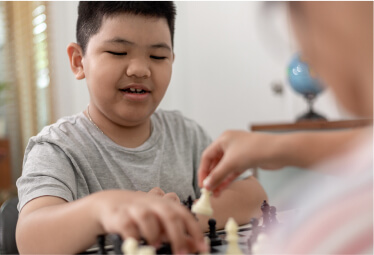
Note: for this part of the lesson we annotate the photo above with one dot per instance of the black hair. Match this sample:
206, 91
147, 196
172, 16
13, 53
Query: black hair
91, 14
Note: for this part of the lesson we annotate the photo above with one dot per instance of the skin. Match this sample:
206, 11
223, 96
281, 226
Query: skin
336, 39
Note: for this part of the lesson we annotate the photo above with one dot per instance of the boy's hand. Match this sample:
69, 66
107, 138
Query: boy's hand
159, 192
150, 217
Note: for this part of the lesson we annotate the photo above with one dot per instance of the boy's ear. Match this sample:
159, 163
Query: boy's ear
173, 57
75, 54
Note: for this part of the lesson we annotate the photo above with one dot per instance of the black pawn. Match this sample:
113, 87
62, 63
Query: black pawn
189, 202
214, 238
265, 208
254, 233
117, 243
101, 244
273, 215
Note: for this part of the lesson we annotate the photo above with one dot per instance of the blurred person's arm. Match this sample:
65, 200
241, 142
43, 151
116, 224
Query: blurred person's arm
235, 151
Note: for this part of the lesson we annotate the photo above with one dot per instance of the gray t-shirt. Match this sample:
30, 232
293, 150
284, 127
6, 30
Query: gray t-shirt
72, 159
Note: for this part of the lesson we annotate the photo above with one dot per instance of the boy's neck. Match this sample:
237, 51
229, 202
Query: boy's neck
129, 137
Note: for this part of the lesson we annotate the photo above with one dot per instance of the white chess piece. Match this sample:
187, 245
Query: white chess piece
203, 206
130, 246
232, 237
146, 250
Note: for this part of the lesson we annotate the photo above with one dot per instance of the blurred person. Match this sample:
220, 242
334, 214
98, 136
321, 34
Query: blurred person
336, 39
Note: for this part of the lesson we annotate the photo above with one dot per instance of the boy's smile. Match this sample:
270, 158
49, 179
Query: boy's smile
127, 66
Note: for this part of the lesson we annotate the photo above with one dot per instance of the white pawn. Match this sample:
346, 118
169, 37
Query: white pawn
146, 250
232, 237
130, 246
203, 206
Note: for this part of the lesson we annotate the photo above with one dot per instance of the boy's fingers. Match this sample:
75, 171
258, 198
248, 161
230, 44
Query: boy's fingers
157, 192
194, 230
172, 196
128, 229
147, 223
175, 231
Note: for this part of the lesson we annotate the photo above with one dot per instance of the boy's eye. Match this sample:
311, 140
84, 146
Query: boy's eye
156, 57
117, 53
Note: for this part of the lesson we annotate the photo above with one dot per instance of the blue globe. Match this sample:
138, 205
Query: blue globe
300, 78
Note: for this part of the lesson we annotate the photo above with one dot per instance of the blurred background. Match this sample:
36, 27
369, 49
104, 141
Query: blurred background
230, 71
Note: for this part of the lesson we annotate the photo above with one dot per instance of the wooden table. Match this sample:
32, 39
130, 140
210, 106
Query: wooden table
311, 125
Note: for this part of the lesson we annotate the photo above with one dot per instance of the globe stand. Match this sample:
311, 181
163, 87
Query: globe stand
311, 115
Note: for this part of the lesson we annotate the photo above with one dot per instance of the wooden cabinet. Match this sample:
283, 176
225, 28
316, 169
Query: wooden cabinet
5, 169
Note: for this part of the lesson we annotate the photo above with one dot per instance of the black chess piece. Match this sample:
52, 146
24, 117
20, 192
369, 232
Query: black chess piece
164, 249
189, 202
265, 208
117, 243
101, 244
273, 215
254, 233
214, 238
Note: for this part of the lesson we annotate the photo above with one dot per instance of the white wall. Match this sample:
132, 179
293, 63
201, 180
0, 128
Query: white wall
222, 72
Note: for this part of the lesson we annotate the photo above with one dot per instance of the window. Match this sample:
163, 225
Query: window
24, 69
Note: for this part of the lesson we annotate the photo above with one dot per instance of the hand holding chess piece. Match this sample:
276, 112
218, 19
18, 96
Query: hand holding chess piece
203, 206
232, 238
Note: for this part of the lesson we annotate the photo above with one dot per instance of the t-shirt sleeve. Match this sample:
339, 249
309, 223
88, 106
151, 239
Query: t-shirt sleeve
47, 171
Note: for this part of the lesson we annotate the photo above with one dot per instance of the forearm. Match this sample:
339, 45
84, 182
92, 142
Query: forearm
241, 200
65, 228
306, 149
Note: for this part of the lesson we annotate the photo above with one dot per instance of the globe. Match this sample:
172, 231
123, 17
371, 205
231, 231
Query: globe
300, 78
303, 81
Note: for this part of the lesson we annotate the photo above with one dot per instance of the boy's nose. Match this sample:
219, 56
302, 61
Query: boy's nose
139, 69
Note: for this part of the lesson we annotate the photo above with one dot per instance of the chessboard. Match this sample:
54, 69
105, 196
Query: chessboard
247, 235
112, 243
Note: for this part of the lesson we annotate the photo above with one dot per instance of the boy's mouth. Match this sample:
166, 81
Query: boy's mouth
134, 91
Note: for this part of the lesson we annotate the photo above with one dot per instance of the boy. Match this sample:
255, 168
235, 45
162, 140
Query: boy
124, 52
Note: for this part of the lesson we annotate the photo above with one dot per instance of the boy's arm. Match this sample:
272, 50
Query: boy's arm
50, 225
241, 200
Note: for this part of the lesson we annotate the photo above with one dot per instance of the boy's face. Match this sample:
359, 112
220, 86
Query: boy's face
128, 66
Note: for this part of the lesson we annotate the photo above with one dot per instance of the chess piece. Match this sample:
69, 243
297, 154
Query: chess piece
265, 208
189, 203
146, 250
273, 215
117, 243
213, 237
101, 243
232, 237
130, 246
254, 233
202, 206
